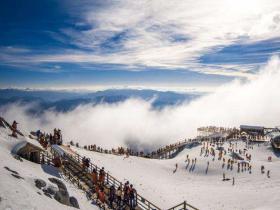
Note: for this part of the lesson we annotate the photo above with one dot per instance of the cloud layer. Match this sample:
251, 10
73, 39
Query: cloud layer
160, 34
135, 121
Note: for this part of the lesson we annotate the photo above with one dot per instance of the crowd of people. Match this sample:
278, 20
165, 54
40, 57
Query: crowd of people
48, 139
232, 156
116, 197
130, 152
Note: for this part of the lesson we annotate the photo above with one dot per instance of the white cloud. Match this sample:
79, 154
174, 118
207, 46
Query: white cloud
253, 102
166, 34
150, 27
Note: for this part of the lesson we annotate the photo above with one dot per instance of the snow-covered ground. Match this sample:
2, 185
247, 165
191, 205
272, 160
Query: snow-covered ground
21, 194
155, 180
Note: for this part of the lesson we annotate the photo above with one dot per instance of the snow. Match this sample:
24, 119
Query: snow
155, 180
21, 194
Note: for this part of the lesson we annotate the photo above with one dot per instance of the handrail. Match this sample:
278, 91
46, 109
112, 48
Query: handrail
183, 206
179, 147
140, 200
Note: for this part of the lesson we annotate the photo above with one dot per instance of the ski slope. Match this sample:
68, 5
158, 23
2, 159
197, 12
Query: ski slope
155, 180
21, 194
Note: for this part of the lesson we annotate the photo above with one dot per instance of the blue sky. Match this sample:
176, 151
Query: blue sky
84, 44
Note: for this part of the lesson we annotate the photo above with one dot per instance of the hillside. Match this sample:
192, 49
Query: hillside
17, 183
153, 179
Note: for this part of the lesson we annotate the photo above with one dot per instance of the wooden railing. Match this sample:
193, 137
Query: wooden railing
183, 206
174, 150
141, 202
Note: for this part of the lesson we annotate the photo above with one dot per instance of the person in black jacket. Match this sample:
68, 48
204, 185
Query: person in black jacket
132, 196
112, 193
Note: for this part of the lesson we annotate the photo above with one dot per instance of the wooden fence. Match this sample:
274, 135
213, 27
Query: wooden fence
141, 202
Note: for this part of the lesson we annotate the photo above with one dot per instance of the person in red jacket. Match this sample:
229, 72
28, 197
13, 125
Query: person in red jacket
101, 195
94, 176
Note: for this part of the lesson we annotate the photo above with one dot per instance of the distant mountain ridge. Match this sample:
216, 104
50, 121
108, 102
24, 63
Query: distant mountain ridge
68, 100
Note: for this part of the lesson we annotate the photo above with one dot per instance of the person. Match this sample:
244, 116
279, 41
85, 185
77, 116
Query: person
176, 166
207, 167
57, 162
268, 173
233, 181
262, 169
14, 129
132, 193
94, 176
101, 195
126, 193
112, 193
38, 133
119, 196
269, 159
224, 176
84, 162
102, 175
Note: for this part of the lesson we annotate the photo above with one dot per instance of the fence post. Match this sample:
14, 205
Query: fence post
107, 178
185, 205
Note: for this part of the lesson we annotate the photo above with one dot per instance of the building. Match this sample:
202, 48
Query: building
252, 130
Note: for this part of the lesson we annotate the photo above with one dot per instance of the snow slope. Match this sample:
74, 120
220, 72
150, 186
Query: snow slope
21, 194
155, 180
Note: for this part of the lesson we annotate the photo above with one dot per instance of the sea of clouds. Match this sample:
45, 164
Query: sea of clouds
135, 122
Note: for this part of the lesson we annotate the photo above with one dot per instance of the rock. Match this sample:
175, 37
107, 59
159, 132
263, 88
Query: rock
52, 189
39, 183
60, 184
8, 169
17, 176
62, 196
17, 157
74, 202
48, 195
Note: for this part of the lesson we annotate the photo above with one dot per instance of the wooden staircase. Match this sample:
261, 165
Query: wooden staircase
74, 171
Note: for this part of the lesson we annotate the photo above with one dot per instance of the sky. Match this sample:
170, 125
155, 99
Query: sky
191, 44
